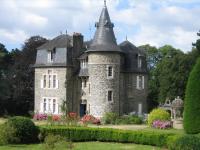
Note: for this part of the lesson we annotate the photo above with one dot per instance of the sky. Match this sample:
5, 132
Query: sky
154, 22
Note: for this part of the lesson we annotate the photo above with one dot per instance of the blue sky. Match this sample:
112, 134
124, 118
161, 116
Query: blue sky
155, 22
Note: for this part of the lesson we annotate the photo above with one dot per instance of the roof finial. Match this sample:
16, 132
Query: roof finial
104, 3
126, 38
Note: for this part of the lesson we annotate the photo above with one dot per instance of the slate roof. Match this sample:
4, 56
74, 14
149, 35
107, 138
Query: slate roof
60, 41
104, 38
131, 52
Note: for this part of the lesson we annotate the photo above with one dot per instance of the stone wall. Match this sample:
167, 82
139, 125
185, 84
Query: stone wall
135, 96
100, 84
59, 93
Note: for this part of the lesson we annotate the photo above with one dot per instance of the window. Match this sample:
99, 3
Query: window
139, 62
45, 81
45, 105
51, 55
140, 82
110, 95
85, 83
49, 105
110, 72
49, 80
54, 81
89, 88
54, 105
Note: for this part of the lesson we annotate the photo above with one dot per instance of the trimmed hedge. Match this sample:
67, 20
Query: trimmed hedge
184, 142
79, 134
191, 118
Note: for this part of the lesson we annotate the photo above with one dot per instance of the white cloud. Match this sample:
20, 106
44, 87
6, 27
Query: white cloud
13, 36
155, 22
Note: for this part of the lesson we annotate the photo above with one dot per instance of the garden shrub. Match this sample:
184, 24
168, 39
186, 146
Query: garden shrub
158, 114
184, 142
130, 119
191, 117
107, 135
52, 142
19, 130
109, 118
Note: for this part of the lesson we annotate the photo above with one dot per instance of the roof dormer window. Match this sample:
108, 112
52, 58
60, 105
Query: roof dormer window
51, 55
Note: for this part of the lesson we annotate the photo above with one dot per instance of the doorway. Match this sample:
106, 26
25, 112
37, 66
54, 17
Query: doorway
82, 110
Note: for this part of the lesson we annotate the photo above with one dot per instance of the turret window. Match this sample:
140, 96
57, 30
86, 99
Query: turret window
110, 95
109, 72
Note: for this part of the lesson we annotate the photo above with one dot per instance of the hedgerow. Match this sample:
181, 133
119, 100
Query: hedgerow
80, 134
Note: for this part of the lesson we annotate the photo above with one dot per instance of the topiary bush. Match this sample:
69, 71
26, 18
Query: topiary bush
19, 130
191, 117
158, 114
184, 142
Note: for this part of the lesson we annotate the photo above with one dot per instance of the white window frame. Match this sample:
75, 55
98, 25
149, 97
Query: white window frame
107, 70
49, 82
49, 105
110, 101
140, 86
139, 61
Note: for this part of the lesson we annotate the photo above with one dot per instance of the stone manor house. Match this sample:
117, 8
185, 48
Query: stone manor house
93, 77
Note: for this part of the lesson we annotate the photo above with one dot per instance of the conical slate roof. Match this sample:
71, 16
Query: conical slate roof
104, 38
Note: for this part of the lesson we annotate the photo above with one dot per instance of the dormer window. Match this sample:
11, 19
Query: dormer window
51, 55
139, 61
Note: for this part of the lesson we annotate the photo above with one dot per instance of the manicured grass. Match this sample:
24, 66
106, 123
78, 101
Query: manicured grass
85, 146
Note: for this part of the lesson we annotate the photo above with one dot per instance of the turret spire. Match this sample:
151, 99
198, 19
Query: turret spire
104, 38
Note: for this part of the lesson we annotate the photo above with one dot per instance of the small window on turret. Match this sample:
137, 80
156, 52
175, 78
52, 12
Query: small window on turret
110, 95
110, 72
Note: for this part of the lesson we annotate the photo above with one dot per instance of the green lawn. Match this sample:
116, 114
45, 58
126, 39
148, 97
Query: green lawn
84, 146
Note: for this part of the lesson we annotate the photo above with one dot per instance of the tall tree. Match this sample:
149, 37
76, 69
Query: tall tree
23, 75
191, 120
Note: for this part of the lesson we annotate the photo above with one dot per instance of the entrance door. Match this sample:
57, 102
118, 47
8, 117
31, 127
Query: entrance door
82, 110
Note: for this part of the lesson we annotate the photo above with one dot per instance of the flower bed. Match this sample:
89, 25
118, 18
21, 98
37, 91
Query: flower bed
162, 124
87, 119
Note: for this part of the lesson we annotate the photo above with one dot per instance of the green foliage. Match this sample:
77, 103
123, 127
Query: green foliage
191, 120
158, 114
109, 118
130, 119
52, 142
185, 142
113, 118
108, 135
19, 130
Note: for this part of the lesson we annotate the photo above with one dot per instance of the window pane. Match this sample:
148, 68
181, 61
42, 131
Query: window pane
54, 81
109, 95
45, 105
110, 71
54, 105
49, 81
45, 81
